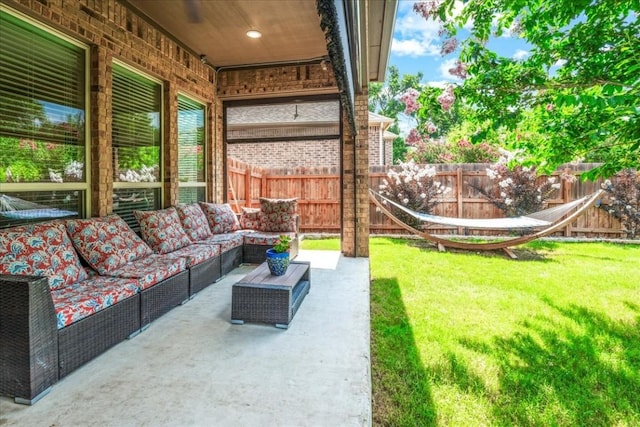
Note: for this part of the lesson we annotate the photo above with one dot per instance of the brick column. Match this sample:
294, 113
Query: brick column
362, 175
101, 191
217, 159
355, 183
170, 145
347, 178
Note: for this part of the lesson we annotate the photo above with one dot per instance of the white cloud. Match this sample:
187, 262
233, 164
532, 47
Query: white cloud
445, 67
520, 54
415, 36
413, 47
559, 63
439, 83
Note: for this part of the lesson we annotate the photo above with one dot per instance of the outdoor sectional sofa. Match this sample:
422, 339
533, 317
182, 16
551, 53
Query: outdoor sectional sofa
71, 289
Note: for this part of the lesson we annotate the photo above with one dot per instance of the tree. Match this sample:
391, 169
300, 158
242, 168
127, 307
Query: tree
385, 100
579, 84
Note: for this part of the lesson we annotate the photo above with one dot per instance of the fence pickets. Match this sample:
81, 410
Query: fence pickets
318, 193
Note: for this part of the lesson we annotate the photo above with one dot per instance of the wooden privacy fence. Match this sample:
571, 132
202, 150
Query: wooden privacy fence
318, 193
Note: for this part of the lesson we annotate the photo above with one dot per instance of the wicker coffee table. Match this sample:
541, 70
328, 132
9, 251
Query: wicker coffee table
261, 297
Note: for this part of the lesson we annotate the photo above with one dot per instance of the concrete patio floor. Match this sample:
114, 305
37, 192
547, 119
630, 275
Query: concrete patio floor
192, 367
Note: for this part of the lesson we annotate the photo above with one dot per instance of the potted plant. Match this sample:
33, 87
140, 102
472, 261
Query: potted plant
278, 256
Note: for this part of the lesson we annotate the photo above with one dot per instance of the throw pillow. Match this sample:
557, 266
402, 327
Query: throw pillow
278, 214
250, 219
221, 217
284, 206
106, 243
41, 250
162, 230
278, 222
194, 221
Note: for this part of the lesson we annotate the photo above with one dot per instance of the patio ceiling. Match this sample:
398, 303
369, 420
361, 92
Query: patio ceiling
290, 30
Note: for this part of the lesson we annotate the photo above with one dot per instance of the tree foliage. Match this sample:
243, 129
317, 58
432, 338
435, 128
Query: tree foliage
578, 87
385, 100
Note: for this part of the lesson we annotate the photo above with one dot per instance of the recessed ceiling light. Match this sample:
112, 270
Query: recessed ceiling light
254, 34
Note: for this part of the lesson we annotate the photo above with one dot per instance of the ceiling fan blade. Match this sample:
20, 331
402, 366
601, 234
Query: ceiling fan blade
192, 7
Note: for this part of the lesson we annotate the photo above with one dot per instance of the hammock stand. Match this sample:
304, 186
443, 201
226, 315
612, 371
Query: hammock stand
546, 221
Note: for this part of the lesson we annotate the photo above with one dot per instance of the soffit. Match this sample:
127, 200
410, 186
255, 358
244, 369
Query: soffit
290, 29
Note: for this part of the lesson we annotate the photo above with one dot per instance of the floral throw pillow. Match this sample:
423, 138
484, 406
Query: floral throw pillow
250, 219
281, 206
221, 217
278, 214
194, 221
41, 250
106, 243
162, 230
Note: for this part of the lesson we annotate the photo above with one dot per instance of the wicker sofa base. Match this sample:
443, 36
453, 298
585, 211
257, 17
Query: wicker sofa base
28, 338
204, 274
162, 297
82, 341
257, 254
231, 259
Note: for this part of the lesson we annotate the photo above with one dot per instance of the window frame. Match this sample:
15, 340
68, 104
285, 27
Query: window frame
157, 186
85, 185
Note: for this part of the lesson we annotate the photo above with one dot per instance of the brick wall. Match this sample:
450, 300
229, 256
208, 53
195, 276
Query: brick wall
287, 154
374, 146
112, 32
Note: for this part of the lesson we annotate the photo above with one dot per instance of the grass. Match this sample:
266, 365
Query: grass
466, 339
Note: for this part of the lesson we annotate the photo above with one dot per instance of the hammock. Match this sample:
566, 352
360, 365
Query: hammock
545, 221
18, 209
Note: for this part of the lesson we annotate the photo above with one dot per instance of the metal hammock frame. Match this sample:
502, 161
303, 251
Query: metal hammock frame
546, 221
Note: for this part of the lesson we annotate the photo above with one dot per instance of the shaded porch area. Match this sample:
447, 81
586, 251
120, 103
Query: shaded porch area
193, 367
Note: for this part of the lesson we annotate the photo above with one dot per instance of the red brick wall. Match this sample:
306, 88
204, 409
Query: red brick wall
287, 154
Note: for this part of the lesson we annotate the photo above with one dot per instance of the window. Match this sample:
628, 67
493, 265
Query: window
42, 123
136, 143
191, 151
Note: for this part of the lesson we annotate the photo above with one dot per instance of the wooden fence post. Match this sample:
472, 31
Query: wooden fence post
459, 196
247, 186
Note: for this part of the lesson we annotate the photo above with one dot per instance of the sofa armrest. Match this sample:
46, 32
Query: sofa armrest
28, 338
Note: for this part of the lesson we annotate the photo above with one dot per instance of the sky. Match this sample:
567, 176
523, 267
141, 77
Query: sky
416, 47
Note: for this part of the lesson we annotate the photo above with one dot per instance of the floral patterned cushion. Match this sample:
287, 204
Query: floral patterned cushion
221, 217
194, 221
265, 238
278, 214
279, 206
106, 243
278, 222
226, 241
77, 301
196, 254
250, 219
162, 230
151, 270
41, 250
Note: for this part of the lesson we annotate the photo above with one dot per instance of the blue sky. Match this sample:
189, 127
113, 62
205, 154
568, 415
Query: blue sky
416, 47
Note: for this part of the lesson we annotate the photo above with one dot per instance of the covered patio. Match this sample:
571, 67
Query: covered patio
193, 367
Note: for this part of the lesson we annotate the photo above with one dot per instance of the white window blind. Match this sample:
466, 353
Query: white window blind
42, 124
136, 143
42, 105
191, 150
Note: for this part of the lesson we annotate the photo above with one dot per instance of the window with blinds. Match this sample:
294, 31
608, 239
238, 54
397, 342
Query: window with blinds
191, 150
42, 123
136, 143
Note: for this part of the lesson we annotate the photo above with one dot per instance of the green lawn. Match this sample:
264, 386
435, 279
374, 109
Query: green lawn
465, 339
